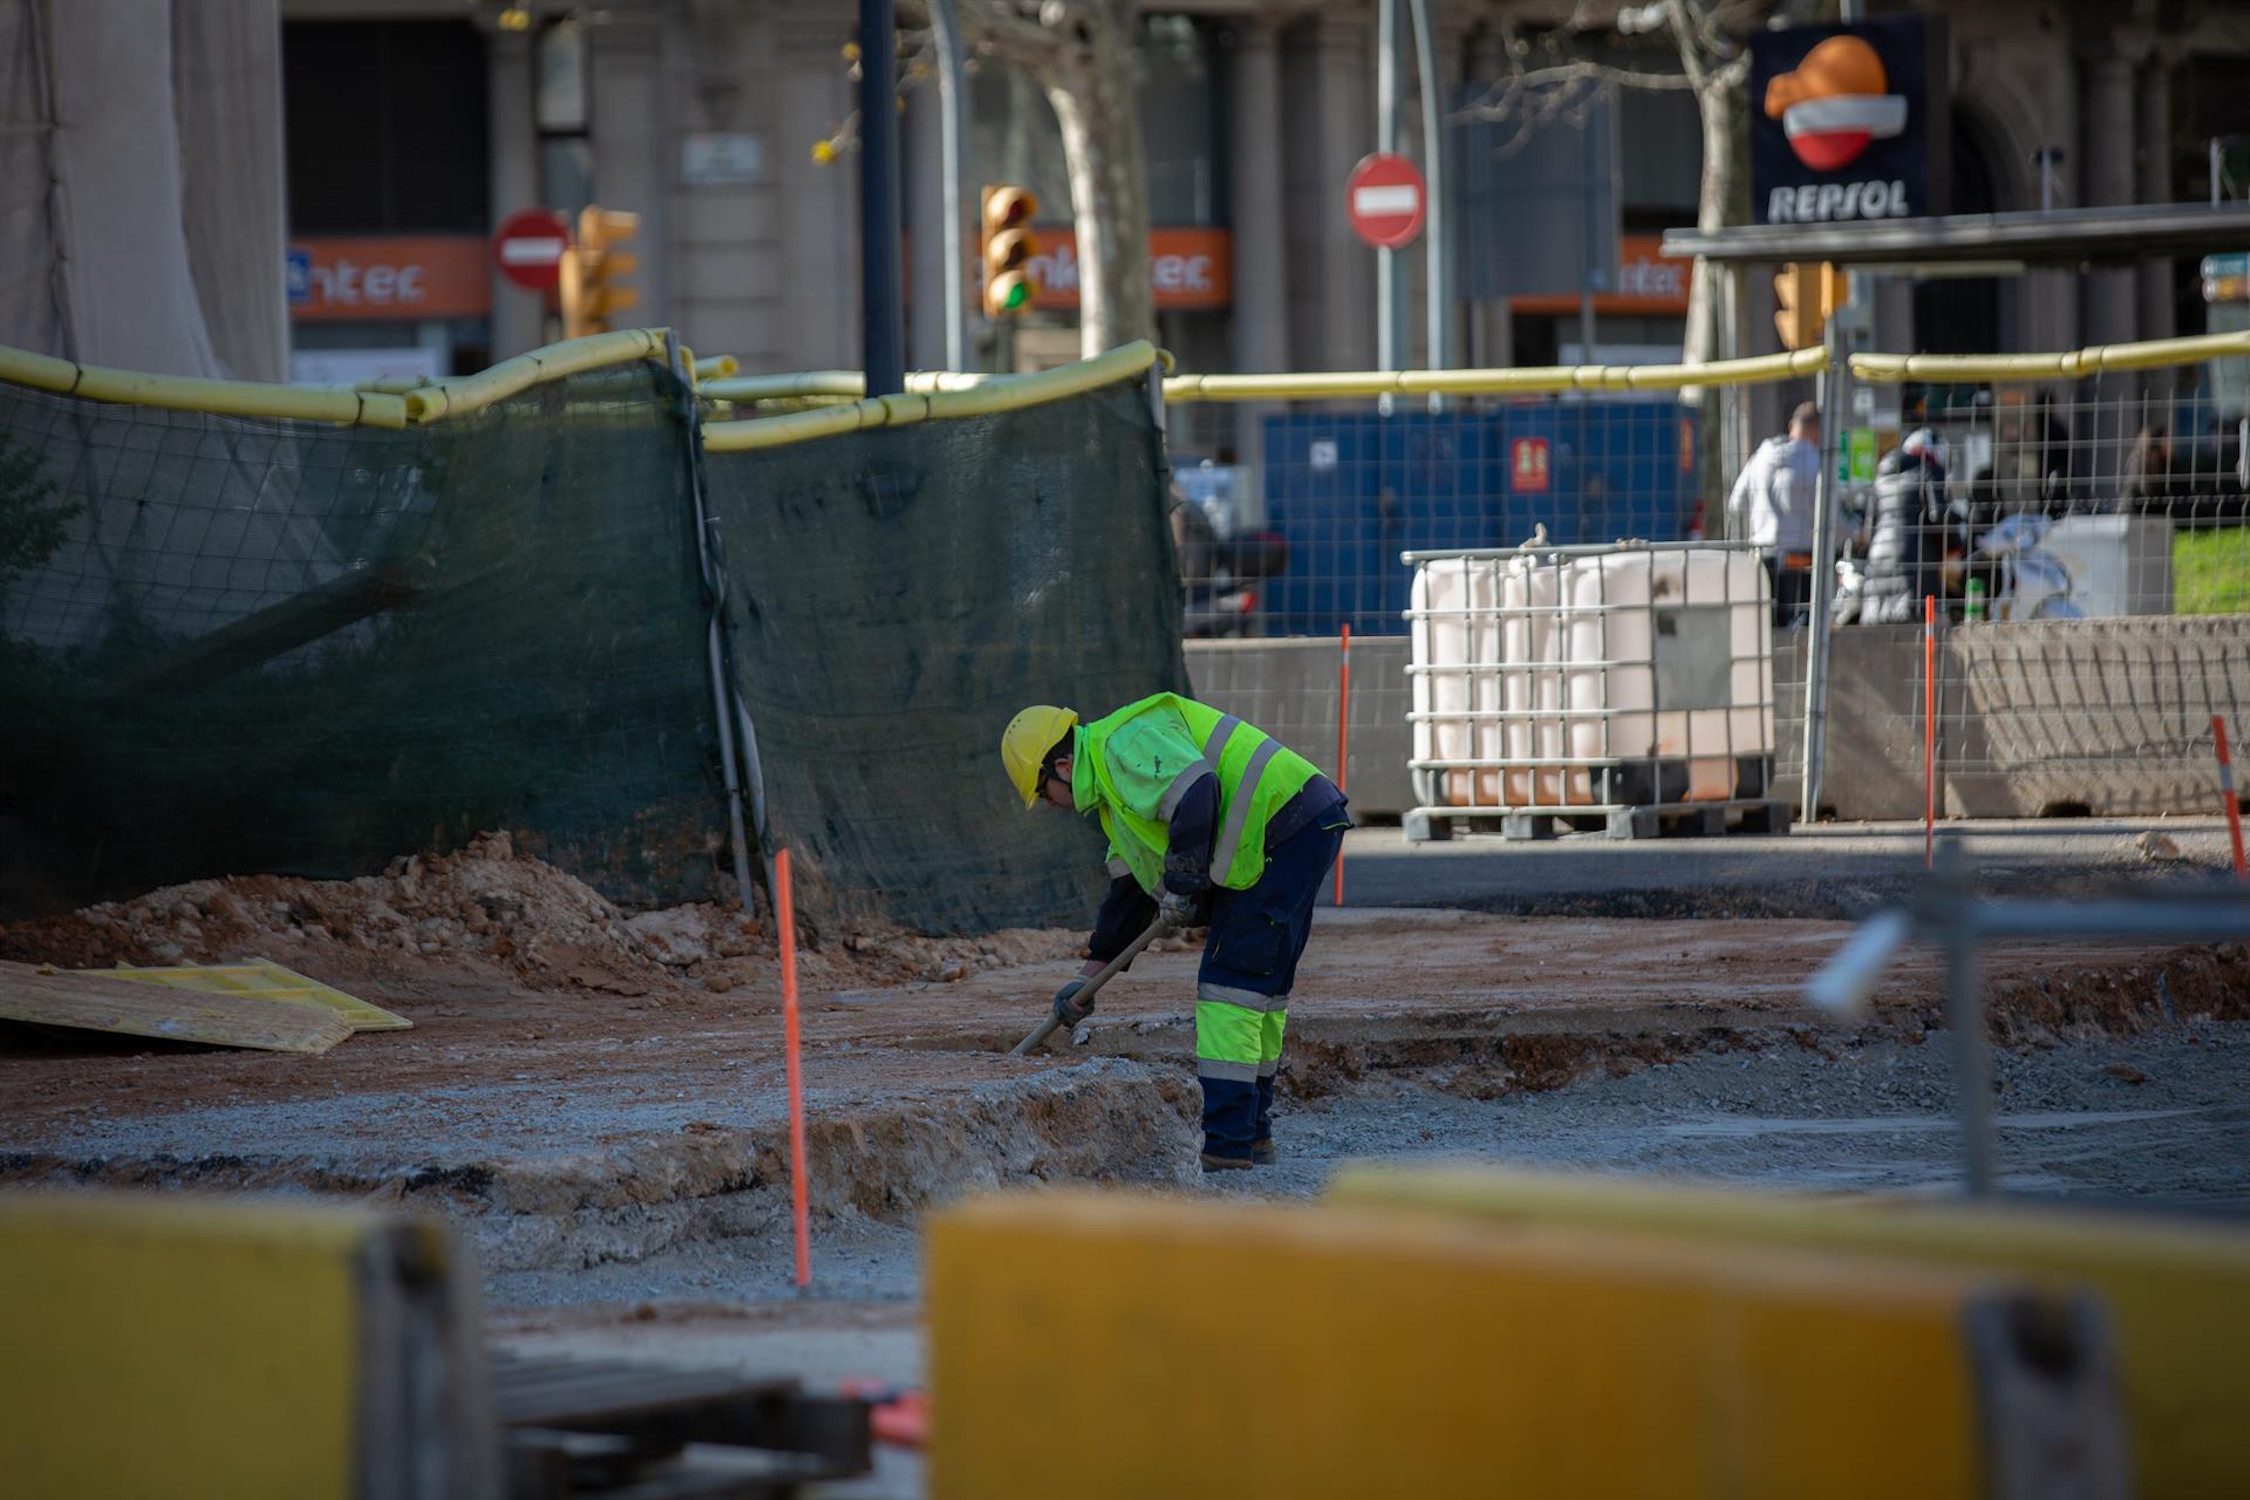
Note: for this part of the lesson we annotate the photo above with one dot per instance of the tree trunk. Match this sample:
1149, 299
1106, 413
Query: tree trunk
1715, 104
1719, 105
1100, 116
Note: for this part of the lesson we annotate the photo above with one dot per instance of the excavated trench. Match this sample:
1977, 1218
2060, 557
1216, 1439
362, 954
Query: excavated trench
547, 1181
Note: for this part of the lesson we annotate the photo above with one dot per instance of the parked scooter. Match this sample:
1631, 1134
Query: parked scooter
1219, 574
2032, 583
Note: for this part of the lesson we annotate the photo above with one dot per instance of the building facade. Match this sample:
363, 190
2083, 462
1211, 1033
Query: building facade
415, 126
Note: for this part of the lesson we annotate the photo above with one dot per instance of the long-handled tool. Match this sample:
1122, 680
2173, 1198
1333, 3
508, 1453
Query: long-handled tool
1047, 1028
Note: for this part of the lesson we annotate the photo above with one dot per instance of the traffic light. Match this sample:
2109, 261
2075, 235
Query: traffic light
1008, 247
1806, 295
592, 270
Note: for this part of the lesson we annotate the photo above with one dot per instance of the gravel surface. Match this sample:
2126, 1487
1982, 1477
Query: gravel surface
2072, 1121
2158, 1120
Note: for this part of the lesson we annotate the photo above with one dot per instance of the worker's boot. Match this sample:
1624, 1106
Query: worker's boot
1226, 1163
1261, 1145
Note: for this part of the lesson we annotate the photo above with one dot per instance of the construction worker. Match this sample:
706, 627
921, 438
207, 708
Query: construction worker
1207, 818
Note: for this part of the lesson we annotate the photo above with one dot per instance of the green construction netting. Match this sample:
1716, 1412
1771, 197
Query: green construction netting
895, 596
231, 646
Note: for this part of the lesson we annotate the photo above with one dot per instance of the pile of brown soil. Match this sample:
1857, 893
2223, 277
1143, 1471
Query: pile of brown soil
487, 913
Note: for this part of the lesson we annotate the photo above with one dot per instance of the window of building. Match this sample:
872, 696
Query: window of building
386, 127
561, 108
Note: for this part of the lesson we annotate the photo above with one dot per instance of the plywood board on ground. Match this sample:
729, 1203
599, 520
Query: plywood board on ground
91, 1003
269, 981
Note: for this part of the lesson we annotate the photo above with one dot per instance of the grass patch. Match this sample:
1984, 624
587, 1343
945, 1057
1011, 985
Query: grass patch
2211, 572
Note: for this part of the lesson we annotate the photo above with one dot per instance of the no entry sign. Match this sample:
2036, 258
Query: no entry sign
1387, 200
528, 248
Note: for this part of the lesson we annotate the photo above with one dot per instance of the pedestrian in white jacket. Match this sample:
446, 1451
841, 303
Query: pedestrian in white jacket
1777, 492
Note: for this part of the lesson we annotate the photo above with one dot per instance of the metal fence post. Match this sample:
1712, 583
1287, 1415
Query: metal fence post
1964, 1010
1437, 281
727, 705
1388, 284
1823, 571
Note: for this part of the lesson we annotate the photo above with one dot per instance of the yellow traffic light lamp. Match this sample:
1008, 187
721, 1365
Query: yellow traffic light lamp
1008, 248
593, 293
1806, 295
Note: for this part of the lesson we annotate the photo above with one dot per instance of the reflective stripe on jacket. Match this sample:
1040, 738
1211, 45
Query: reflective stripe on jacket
1135, 765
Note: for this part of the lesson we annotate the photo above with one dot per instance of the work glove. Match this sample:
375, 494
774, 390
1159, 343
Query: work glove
1067, 1009
1179, 912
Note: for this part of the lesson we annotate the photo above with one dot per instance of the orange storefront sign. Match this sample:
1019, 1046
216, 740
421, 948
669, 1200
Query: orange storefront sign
1648, 282
1189, 269
390, 276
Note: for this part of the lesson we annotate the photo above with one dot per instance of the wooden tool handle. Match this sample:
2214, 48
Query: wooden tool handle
1048, 1027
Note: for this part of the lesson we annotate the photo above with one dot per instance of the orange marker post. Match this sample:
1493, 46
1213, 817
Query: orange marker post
2227, 797
1343, 741
1929, 730
785, 914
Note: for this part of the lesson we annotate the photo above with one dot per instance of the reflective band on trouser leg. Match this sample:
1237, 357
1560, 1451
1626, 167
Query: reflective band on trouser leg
1272, 1024
1234, 995
1228, 1040
1238, 810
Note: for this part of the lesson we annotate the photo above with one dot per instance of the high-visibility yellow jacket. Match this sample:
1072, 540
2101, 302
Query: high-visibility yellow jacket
1136, 765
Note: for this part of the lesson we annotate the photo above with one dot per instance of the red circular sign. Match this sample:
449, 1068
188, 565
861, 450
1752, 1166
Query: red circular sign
1387, 200
528, 248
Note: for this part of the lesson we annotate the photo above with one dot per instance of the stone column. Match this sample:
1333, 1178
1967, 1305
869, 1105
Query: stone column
1260, 323
1344, 60
820, 221
2158, 309
921, 160
1491, 330
1261, 274
924, 165
517, 315
2107, 179
625, 61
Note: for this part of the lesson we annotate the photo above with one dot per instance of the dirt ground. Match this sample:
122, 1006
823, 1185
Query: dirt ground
596, 1099
516, 974
584, 1086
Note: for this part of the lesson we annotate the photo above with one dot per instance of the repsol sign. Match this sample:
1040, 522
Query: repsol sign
1811, 203
1849, 122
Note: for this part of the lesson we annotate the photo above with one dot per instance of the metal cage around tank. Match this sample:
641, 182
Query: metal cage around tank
1626, 687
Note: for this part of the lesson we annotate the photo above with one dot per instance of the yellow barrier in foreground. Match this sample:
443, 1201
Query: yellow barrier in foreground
219, 1347
1117, 1345
981, 398
2178, 1292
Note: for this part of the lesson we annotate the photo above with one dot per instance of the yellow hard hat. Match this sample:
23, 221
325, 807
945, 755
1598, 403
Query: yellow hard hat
1024, 746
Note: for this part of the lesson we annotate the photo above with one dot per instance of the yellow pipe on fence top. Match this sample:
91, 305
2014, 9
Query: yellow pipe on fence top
469, 393
848, 385
2068, 365
716, 366
981, 396
392, 402
1529, 381
226, 398
851, 385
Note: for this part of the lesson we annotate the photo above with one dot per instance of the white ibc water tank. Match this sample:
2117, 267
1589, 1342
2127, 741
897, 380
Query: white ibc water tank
1531, 677
1669, 660
1445, 641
